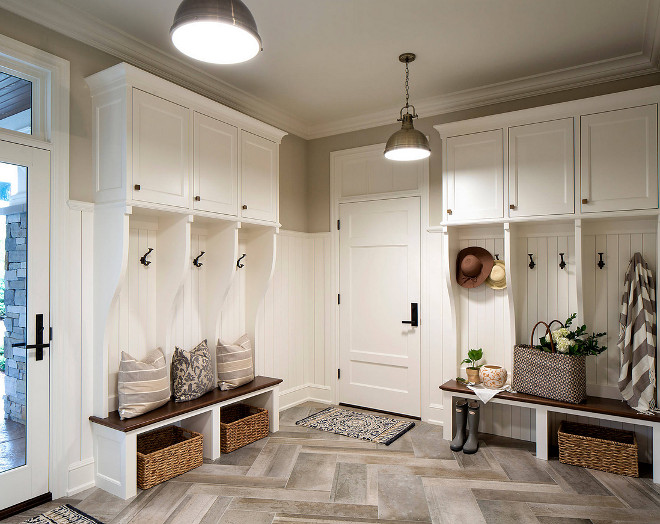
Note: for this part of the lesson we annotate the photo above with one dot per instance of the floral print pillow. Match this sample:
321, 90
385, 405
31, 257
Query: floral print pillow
192, 372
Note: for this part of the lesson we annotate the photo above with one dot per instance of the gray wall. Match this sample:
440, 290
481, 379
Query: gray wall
86, 60
318, 152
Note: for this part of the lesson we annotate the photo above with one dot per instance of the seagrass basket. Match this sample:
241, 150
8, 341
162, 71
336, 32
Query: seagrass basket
165, 453
241, 425
595, 447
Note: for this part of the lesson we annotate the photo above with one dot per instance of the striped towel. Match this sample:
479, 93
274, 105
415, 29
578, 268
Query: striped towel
637, 337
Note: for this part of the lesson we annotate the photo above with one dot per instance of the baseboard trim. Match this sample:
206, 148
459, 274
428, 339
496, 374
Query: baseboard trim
25, 505
305, 393
80, 476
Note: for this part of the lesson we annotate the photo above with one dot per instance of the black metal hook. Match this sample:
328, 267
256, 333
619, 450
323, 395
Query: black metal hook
532, 264
143, 258
601, 262
238, 262
196, 261
497, 256
562, 264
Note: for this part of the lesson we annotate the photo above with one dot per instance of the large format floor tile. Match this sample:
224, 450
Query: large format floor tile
303, 476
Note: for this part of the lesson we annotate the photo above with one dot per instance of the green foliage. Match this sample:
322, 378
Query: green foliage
474, 356
575, 341
2, 359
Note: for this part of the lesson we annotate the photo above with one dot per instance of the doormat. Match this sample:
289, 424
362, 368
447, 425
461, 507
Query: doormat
63, 515
363, 426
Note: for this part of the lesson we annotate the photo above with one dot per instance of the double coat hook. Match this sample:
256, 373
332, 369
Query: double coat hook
196, 261
532, 264
143, 258
562, 264
238, 262
601, 262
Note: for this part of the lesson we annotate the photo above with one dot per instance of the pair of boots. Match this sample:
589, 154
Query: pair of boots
469, 414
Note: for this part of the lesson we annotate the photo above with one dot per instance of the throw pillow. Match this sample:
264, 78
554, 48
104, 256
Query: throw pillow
235, 365
143, 385
192, 372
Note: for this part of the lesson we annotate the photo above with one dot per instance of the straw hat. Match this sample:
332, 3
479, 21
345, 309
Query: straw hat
497, 277
473, 265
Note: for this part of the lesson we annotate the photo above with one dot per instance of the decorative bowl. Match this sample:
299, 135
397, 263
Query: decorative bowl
493, 377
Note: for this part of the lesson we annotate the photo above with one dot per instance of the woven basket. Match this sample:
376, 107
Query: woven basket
549, 375
241, 425
165, 453
595, 447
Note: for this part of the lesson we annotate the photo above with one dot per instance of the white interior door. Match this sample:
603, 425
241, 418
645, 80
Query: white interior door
379, 282
24, 217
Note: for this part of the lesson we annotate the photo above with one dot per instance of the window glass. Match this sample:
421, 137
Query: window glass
15, 104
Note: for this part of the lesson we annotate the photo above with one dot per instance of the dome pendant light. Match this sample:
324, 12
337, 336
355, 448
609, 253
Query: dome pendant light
215, 31
407, 143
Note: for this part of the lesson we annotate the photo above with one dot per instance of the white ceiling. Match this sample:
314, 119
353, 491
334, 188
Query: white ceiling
331, 65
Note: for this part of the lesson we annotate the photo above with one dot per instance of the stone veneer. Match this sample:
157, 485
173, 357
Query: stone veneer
15, 399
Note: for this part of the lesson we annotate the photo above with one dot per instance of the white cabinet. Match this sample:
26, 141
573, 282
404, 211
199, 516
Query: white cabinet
619, 160
215, 165
161, 161
474, 176
259, 173
541, 172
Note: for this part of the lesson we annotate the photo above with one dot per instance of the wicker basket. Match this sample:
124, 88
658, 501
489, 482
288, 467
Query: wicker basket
241, 425
165, 453
595, 447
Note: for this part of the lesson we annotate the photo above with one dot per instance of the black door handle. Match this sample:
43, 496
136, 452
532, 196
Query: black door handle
39, 337
414, 322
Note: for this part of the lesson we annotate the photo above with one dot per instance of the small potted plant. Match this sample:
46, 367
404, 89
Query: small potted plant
474, 356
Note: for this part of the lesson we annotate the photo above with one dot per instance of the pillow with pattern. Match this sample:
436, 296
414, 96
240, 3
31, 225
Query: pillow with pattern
192, 372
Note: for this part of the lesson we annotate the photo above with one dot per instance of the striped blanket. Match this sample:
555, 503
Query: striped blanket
637, 337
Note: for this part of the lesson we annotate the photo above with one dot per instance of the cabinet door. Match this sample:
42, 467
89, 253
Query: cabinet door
541, 173
474, 176
215, 166
258, 177
161, 158
619, 160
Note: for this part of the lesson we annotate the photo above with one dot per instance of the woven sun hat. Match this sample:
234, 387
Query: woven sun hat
497, 277
473, 265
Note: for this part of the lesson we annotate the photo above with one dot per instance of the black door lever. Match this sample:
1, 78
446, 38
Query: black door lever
39, 337
414, 322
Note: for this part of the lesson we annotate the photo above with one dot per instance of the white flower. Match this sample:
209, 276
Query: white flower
559, 333
563, 345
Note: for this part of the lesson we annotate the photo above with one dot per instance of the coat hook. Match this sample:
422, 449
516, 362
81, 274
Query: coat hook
601, 262
196, 261
143, 258
562, 264
497, 256
238, 262
531, 261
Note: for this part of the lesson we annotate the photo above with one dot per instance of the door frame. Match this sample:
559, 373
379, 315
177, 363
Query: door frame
335, 200
54, 73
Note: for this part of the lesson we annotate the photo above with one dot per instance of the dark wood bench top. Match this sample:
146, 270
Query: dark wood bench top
604, 406
173, 409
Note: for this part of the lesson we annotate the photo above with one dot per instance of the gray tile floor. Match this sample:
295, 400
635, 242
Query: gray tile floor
300, 475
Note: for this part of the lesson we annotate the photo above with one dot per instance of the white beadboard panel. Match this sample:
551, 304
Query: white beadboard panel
232, 317
189, 308
436, 302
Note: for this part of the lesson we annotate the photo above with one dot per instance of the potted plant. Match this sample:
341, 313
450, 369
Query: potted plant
474, 356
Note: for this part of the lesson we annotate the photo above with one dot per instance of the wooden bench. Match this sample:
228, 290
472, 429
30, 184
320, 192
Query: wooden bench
596, 407
115, 440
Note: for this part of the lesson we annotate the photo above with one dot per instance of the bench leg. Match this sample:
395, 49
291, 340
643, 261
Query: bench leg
448, 418
208, 424
656, 453
273, 407
115, 461
541, 432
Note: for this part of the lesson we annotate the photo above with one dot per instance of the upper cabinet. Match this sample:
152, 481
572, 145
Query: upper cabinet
474, 176
158, 145
619, 160
541, 174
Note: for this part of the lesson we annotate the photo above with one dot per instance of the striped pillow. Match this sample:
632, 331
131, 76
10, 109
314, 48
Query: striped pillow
143, 386
235, 366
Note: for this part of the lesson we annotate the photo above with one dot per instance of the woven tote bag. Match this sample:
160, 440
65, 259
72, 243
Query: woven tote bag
549, 375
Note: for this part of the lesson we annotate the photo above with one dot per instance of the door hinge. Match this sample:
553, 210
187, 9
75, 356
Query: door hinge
338, 373
338, 224
338, 298
50, 333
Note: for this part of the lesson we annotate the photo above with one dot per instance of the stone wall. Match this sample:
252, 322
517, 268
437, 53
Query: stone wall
15, 398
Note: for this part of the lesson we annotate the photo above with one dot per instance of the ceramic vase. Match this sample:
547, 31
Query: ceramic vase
493, 376
473, 375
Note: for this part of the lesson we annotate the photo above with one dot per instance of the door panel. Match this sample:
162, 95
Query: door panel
258, 177
379, 279
25, 223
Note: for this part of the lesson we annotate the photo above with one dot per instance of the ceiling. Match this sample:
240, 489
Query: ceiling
330, 66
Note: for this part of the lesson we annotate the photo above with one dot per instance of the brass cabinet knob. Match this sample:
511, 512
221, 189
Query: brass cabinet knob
585, 201
136, 187
197, 199
512, 206
449, 211
244, 206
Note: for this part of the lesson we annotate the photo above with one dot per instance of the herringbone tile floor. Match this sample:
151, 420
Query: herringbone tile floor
300, 475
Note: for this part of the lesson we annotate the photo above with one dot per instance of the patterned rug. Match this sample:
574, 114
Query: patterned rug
364, 426
63, 515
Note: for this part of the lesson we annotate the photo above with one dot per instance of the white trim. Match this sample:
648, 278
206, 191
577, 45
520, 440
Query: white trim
92, 31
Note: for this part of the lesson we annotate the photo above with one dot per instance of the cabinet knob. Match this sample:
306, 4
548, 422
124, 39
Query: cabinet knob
512, 206
449, 211
585, 200
197, 199
136, 187
244, 206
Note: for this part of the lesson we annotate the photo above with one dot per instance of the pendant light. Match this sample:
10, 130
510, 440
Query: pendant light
215, 31
407, 143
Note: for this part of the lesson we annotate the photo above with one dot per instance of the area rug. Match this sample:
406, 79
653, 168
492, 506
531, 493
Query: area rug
364, 426
63, 515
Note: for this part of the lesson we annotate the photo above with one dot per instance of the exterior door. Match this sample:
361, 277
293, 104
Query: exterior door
379, 244
24, 222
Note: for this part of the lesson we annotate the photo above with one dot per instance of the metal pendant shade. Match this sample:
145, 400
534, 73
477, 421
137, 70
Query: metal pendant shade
216, 31
407, 143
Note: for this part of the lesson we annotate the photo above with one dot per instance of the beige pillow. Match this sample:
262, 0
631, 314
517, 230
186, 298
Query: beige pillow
143, 386
235, 365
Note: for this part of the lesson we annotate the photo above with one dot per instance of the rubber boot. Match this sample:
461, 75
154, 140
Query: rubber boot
461, 415
472, 443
